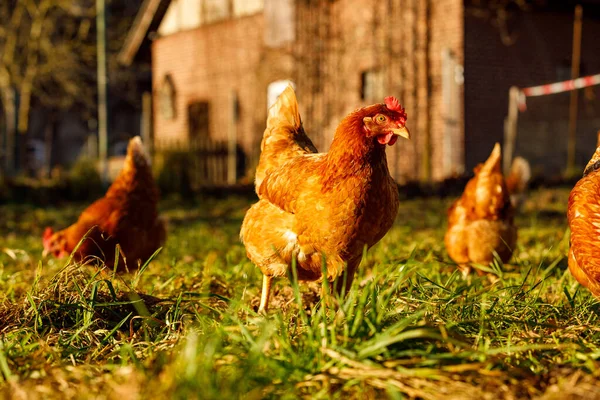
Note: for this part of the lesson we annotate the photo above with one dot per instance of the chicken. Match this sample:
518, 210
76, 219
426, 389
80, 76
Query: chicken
316, 207
127, 215
517, 181
583, 214
481, 221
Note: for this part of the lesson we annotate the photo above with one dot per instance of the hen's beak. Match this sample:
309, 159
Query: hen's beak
45, 253
404, 132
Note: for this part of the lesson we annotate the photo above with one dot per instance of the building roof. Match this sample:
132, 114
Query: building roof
147, 20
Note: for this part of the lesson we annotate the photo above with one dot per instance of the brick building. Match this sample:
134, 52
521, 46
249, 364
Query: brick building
214, 61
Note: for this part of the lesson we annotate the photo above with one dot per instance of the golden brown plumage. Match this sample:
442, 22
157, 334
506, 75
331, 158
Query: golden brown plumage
517, 181
481, 221
584, 221
126, 215
321, 205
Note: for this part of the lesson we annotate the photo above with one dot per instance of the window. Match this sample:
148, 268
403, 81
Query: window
280, 28
190, 14
216, 10
452, 147
167, 98
372, 86
198, 114
247, 7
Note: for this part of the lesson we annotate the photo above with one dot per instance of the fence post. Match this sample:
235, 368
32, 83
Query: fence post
575, 61
146, 122
102, 88
510, 128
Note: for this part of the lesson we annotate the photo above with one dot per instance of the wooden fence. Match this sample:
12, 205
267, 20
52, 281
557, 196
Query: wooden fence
203, 162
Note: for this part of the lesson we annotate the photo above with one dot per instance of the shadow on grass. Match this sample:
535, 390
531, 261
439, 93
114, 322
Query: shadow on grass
551, 215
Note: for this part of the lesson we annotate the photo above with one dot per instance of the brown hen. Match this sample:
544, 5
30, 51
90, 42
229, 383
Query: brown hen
321, 206
127, 215
481, 221
584, 221
517, 181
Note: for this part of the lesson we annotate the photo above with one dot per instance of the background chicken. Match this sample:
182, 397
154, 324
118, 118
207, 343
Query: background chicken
517, 181
127, 215
584, 219
481, 221
314, 206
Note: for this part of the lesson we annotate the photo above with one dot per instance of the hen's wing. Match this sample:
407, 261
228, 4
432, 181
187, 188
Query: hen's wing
284, 138
286, 185
102, 215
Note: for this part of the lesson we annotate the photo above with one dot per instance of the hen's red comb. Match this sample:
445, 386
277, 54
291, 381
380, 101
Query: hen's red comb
393, 104
48, 232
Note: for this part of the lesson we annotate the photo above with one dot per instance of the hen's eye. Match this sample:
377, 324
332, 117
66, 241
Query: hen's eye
380, 118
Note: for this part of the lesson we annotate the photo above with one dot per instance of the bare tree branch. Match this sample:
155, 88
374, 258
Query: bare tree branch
48, 57
499, 13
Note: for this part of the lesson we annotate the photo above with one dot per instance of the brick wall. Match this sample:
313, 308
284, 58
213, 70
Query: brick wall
447, 130
403, 39
336, 42
209, 64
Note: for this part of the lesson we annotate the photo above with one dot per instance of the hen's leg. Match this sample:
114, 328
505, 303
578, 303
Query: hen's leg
465, 270
266, 292
344, 282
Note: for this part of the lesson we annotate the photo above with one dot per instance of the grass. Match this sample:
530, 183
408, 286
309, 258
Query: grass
185, 326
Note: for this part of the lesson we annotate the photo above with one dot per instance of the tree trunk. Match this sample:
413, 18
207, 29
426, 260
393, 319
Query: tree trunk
23, 165
49, 142
10, 114
23, 109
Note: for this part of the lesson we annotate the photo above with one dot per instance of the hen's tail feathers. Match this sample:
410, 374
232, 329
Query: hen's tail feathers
284, 112
483, 197
136, 173
284, 138
492, 164
137, 154
517, 180
137, 161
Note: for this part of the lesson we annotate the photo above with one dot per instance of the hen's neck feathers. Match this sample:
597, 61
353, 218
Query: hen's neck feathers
351, 150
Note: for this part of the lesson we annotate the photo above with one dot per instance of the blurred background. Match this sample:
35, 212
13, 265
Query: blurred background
194, 78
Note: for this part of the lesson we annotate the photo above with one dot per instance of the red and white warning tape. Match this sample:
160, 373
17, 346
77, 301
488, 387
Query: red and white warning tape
557, 87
